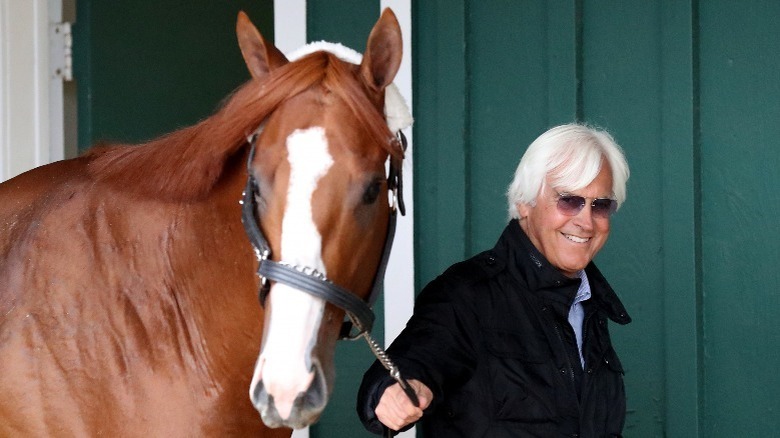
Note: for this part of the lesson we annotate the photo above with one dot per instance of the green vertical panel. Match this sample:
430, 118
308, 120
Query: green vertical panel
146, 68
680, 215
621, 91
563, 43
522, 80
347, 22
440, 136
508, 88
740, 110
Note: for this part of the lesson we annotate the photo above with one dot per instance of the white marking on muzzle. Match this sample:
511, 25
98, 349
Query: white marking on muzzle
285, 364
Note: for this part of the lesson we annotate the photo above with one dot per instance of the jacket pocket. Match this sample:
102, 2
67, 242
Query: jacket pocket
519, 376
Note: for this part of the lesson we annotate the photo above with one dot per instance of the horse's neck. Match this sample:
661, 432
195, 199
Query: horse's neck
215, 263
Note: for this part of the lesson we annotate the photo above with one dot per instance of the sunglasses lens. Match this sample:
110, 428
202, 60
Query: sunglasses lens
570, 205
604, 207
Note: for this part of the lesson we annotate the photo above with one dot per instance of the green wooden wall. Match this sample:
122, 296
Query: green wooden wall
691, 90
739, 97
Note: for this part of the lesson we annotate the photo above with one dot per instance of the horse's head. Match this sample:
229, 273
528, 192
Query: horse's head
322, 204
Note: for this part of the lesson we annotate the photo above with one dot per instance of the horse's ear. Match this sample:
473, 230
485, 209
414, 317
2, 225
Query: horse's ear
383, 52
261, 57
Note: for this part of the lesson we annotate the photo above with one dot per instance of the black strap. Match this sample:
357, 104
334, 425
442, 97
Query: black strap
249, 207
332, 293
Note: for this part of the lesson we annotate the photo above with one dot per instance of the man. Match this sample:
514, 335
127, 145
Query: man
514, 341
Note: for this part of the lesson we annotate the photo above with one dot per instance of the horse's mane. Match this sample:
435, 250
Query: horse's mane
187, 163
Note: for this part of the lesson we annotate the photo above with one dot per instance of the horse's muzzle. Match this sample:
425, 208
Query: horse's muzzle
306, 408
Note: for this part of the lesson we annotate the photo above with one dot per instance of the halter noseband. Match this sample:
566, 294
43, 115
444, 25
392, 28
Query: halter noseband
308, 279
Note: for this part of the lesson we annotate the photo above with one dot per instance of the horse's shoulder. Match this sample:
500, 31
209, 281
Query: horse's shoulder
44, 185
43, 196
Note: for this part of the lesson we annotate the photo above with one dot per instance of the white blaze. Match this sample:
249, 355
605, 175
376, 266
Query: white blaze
285, 364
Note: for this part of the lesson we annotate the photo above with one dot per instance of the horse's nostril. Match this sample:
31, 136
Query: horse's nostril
316, 396
258, 395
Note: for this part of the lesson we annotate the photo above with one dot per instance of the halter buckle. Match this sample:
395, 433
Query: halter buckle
394, 199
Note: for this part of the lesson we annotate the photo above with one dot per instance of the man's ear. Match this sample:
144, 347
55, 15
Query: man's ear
523, 209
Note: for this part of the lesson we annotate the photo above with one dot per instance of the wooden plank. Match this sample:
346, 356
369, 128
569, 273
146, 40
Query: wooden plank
441, 135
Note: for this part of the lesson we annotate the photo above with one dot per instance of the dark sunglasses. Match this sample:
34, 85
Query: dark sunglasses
571, 205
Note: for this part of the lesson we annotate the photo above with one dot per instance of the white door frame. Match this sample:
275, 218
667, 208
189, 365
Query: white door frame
31, 84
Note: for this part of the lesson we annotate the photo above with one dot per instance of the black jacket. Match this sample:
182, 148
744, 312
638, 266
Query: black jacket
490, 337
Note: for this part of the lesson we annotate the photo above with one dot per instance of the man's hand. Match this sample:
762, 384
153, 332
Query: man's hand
395, 410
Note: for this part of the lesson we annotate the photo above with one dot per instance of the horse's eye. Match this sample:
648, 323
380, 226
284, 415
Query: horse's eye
372, 192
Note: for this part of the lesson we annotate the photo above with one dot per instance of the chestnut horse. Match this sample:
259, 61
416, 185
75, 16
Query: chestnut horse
128, 294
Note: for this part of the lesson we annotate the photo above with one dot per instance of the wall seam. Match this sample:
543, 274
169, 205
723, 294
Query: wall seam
467, 129
697, 206
579, 68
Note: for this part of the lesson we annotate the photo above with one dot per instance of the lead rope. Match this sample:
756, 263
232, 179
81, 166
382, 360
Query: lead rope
391, 368
395, 373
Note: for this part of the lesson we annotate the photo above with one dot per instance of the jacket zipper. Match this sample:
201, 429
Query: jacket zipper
587, 366
566, 354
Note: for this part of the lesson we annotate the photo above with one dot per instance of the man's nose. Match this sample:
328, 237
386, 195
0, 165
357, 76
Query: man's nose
584, 219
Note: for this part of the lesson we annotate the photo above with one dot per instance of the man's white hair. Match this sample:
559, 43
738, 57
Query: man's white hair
569, 157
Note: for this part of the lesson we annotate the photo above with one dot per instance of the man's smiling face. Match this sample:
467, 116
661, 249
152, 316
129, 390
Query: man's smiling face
568, 242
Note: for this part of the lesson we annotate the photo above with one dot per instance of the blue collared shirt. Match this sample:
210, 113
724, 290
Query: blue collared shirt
577, 312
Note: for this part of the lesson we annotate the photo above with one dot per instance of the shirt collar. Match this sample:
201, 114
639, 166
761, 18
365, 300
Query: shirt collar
583, 292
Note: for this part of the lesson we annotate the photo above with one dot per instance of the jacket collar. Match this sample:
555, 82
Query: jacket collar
533, 269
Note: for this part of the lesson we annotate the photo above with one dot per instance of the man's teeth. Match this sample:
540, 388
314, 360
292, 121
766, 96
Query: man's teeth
576, 239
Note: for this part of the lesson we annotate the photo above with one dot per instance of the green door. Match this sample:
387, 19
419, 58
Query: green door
691, 91
146, 68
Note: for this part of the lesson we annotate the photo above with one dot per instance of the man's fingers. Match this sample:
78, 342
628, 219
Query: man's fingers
424, 394
395, 410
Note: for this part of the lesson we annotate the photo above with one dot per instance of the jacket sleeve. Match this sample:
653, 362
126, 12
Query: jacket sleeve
436, 347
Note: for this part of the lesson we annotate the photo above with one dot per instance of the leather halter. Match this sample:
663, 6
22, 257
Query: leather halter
308, 279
